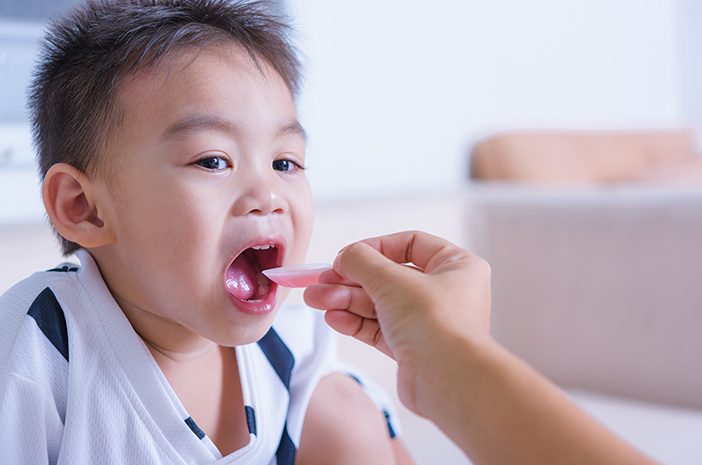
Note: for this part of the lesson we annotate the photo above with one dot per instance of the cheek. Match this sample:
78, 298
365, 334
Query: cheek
161, 220
303, 221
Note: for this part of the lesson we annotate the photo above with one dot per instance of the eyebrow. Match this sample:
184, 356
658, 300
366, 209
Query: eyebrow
199, 123
293, 128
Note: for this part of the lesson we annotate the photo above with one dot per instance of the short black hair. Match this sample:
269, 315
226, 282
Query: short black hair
86, 54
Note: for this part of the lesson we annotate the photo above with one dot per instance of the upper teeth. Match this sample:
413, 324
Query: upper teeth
261, 247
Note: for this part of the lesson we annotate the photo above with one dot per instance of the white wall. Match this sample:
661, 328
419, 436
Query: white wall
690, 33
396, 91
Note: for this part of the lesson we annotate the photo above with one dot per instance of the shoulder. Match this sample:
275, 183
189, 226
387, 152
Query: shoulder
34, 341
31, 310
20, 296
40, 314
336, 411
343, 425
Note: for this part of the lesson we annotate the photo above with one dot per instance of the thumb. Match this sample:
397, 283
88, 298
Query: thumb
362, 264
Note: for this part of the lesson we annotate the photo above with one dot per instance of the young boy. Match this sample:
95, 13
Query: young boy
173, 166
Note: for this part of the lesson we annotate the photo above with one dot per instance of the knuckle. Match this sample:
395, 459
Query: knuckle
377, 336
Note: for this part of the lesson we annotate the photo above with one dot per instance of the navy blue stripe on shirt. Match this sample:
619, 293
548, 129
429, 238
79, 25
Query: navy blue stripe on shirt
279, 356
282, 361
250, 420
48, 314
64, 269
194, 428
285, 454
250, 423
390, 428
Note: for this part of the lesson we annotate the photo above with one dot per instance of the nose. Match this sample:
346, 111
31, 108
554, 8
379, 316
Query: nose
259, 195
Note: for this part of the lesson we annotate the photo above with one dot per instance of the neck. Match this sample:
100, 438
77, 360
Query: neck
192, 354
165, 337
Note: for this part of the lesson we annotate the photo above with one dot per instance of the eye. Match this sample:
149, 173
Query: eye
285, 165
213, 163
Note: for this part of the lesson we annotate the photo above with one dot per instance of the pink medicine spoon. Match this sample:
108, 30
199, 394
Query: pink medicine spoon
297, 275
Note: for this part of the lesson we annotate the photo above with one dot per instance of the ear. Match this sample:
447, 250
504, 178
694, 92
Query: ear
73, 202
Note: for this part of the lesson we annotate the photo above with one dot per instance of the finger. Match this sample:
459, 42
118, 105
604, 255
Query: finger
419, 248
363, 329
363, 264
341, 297
331, 277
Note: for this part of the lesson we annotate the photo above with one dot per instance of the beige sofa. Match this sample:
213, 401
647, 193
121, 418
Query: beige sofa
586, 158
600, 290
595, 242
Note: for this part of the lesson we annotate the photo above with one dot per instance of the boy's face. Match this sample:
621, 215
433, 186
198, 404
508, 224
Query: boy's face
207, 191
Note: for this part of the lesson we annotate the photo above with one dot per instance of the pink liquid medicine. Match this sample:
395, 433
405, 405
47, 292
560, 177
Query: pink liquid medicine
297, 275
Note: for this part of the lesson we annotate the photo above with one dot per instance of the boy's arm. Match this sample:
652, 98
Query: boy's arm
402, 456
344, 426
32, 428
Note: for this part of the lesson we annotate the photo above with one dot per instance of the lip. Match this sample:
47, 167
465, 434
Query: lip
268, 304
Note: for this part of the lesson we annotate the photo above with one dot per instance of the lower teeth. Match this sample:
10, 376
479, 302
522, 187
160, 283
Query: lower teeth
263, 288
262, 291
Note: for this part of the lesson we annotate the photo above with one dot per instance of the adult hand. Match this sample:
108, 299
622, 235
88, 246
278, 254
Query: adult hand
409, 295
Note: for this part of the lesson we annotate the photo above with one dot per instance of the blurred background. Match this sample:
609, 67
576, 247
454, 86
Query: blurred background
396, 96
396, 92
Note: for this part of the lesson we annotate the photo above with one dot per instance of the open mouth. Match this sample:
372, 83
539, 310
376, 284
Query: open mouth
244, 279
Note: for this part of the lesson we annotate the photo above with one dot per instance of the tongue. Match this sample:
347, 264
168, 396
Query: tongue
241, 278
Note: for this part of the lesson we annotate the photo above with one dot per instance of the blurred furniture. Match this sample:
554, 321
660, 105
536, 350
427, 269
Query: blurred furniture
595, 243
599, 289
585, 158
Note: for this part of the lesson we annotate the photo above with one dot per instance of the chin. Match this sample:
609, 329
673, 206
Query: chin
246, 333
